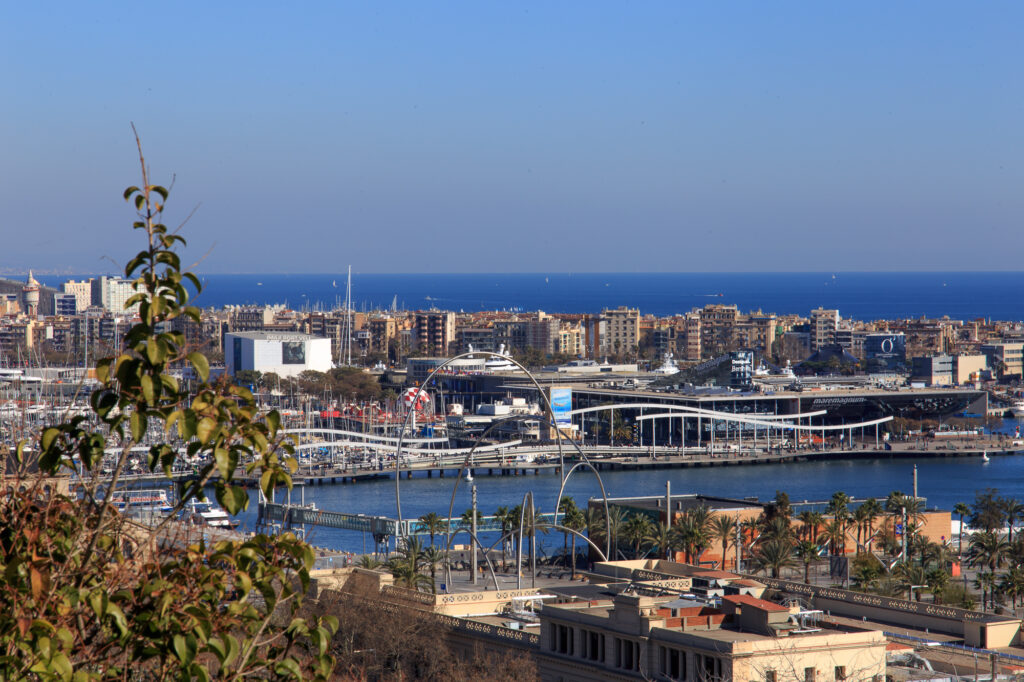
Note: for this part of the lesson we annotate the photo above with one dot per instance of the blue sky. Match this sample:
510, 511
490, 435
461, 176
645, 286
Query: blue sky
469, 137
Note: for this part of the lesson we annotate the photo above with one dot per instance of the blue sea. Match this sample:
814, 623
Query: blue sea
857, 295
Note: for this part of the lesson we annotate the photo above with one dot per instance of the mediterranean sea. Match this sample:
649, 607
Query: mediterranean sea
857, 295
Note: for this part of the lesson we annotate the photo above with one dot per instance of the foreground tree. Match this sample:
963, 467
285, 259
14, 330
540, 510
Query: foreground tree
89, 595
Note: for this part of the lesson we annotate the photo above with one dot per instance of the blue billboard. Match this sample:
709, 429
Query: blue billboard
561, 404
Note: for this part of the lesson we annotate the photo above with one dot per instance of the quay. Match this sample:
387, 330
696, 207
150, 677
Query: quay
608, 458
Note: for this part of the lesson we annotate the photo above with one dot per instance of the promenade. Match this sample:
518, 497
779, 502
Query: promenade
537, 459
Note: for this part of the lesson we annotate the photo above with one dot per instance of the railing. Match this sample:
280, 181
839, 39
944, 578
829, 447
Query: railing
953, 646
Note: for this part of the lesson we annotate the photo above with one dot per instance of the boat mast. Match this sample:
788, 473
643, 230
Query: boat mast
348, 319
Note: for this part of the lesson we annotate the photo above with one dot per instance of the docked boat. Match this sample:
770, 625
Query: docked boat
1017, 409
668, 366
207, 514
143, 504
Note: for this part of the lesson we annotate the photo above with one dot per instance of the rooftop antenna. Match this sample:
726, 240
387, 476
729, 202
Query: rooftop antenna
348, 319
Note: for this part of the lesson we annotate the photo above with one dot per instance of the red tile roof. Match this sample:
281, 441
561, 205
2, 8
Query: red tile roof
747, 600
714, 574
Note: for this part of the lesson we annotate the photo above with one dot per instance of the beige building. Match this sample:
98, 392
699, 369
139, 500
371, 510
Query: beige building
633, 636
968, 368
824, 323
434, 331
623, 329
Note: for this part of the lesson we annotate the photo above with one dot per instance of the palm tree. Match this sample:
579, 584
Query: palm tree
833, 534
406, 566
988, 549
838, 507
937, 580
723, 529
1012, 584
806, 519
501, 518
874, 510
432, 558
962, 510
635, 531
910, 576
433, 524
369, 561
692, 533
662, 537
860, 516
575, 520
593, 520
986, 582
807, 552
616, 518
776, 528
565, 506
774, 555
1014, 511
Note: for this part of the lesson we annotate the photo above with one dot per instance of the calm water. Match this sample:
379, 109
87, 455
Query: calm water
943, 481
857, 295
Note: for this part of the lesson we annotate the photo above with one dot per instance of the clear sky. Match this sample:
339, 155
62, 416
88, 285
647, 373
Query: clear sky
518, 136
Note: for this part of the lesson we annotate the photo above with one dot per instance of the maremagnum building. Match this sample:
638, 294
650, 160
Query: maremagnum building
843, 401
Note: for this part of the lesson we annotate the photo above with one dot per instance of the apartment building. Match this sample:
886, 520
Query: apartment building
434, 331
623, 329
717, 323
824, 323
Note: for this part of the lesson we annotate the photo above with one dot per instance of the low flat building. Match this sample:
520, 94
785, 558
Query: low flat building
632, 636
286, 354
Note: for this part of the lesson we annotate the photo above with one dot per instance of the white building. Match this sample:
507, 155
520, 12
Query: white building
82, 291
112, 293
286, 354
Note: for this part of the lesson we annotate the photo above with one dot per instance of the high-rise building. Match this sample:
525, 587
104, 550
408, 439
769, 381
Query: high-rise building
82, 291
435, 331
824, 323
623, 329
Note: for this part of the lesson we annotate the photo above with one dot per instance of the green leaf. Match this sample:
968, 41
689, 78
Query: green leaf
183, 649
288, 666
148, 393
233, 498
273, 422
129, 192
138, 424
205, 429
201, 364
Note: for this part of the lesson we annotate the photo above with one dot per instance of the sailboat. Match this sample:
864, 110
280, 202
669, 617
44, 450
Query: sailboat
984, 456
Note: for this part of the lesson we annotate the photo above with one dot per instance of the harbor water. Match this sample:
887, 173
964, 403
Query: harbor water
943, 481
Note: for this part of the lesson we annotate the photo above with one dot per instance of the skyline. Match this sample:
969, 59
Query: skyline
462, 138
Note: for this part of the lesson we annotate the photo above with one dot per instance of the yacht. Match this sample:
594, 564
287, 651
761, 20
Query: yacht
502, 363
1017, 409
668, 366
207, 514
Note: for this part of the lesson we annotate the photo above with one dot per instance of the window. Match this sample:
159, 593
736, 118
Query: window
840, 672
771, 676
626, 654
809, 675
673, 663
563, 640
594, 644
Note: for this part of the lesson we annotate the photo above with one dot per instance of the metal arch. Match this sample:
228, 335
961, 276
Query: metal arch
447, 553
688, 409
533, 540
604, 498
727, 416
401, 436
469, 456
578, 534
